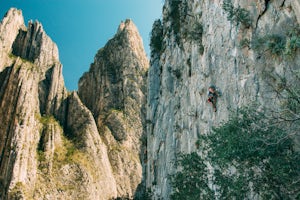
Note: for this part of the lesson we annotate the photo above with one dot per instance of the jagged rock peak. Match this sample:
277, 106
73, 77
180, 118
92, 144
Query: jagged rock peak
131, 35
122, 56
9, 27
35, 45
127, 25
114, 91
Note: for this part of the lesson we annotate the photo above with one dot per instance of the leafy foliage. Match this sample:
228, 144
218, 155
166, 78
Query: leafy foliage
201, 49
156, 38
237, 15
184, 25
260, 154
244, 43
292, 42
278, 44
193, 33
175, 16
18, 191
147, 195
275, 44
250, 155
191, 181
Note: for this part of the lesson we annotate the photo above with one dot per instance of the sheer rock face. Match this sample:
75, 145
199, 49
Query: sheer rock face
53, 145
190, 60
114, 91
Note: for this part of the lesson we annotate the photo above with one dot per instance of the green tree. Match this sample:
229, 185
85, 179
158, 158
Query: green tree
237, 15
254, 155
191, 181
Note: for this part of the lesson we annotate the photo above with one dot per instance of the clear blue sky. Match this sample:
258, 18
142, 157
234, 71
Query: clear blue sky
81, 27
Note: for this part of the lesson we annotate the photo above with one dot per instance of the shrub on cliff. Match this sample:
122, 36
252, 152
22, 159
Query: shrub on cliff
156, 37
252, 156
237, 15
190, 182
278, 45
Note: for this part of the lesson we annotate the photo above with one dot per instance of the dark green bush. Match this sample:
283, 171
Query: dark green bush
156, 37
201, 49
292, 42
244, 43
177, 73
262, 154
237, 15
246, 150
195, 34
278, 45
191, 181
176, 17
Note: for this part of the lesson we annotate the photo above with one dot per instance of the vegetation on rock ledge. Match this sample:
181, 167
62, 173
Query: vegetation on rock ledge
278, 45
237, 15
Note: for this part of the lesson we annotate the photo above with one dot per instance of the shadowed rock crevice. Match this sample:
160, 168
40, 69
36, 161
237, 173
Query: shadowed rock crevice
44, 88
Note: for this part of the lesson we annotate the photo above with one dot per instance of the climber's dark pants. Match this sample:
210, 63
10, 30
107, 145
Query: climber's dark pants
213, 101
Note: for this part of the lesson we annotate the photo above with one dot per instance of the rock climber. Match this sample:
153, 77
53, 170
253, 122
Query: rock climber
212, 97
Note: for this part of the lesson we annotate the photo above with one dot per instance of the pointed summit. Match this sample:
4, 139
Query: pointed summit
35, 45
128, 33
114, 90
123, 55
32, 43
9, 27
128, 25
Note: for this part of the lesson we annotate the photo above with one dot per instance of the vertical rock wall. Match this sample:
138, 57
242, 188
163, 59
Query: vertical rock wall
200, 47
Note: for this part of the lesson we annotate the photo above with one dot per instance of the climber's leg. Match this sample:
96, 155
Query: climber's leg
214, 104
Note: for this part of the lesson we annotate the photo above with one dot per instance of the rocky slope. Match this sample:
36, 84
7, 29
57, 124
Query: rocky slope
53, 145
195, 46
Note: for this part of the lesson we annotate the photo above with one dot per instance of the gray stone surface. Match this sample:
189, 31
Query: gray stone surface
179, 76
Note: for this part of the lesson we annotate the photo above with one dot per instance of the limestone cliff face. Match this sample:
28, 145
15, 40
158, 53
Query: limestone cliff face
53, 145
114, 91
196, 46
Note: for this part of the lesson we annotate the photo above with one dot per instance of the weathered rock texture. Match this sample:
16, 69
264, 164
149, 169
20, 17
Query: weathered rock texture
199, 47
114, 91
52, 146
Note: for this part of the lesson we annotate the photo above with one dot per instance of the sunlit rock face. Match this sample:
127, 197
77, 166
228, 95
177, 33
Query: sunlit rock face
60, 145
114, 90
